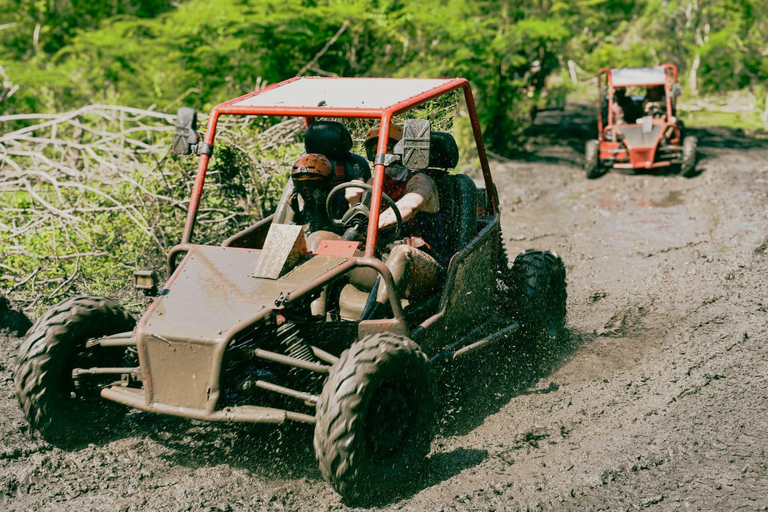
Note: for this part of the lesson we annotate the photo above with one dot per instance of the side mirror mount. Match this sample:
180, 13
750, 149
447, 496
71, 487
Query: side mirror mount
185, 137
146, 281
414, 146
677, 91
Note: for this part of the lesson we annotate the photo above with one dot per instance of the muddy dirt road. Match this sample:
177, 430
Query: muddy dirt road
656, 399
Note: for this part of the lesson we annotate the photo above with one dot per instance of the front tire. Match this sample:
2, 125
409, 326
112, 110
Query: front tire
592, 160
688, 166
538, 294
375, 416
44, 385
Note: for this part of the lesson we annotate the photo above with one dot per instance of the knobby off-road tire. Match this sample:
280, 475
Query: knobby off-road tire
375, 417
538, 294
592, 160
44, 386
688, 166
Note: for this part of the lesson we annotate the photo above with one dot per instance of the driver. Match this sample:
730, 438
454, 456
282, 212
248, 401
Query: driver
418, 261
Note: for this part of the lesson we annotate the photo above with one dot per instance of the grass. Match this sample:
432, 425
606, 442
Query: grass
741, 120
735, 110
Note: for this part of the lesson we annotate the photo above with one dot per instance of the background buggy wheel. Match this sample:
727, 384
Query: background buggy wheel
688, 166
538, 293
375, 416
592, 160
44, 386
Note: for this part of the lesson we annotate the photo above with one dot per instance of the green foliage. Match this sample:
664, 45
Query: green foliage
59, 21
146, 52
727, 36
203, 53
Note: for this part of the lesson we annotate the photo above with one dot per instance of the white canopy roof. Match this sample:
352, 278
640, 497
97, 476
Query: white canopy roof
362, 93
624, 77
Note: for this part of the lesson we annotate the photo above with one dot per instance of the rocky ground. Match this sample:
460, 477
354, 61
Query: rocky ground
656, 398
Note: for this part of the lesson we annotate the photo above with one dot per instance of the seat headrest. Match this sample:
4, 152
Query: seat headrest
329, 138
443, 151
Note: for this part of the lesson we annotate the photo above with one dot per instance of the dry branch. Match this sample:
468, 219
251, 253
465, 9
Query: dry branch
98, 181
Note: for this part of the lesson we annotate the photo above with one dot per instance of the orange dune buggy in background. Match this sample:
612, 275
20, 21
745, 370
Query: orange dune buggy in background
638, 129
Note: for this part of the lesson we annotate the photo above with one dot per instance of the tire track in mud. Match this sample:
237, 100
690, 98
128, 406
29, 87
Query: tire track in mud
656, 397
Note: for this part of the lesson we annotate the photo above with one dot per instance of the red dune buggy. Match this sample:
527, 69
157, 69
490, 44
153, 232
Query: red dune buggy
259, 329
638, 129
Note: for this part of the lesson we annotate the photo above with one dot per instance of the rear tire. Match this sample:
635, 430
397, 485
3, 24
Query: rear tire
688, 166
538, 294
44, 386
592, 160
375, 416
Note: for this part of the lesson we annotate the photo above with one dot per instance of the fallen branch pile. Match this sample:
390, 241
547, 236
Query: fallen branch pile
88, 195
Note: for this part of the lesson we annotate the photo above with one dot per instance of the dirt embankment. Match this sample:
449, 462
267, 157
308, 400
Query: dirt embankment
656, 399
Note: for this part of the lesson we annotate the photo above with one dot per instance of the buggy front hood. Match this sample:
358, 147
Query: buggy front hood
641, 144
182, 336
214, 290
635, 137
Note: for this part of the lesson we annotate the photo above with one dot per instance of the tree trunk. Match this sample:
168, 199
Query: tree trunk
692, 77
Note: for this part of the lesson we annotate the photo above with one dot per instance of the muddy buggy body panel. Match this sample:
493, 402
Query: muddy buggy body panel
181, 346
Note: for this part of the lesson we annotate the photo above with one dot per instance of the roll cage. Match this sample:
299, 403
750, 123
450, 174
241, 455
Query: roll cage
609, 79
368, 98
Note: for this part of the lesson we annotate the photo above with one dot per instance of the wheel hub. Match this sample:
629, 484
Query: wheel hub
388, 422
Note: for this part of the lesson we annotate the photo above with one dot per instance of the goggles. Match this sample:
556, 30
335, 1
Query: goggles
396, 172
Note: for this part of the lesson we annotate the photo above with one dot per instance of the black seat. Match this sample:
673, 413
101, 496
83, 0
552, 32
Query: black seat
458, 194
332, 139
458, 202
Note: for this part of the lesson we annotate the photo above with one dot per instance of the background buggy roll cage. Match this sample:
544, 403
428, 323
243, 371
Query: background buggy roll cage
384, 114
610, 91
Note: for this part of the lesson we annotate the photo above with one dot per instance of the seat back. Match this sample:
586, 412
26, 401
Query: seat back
458, 193
357, 167
458, 204
332, 139
443, 151
329, 138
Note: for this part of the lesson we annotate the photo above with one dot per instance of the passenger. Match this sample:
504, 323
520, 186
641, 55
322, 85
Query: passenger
332, 139
312, 176
372, 139
623, 108
418, 261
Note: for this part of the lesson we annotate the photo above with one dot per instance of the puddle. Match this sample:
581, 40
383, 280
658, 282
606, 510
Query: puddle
673, 198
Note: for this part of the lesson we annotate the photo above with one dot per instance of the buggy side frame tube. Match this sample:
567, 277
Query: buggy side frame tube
477, 131
378, 181
202, 167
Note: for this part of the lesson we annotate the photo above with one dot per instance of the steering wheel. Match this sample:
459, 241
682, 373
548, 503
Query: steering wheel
356, 217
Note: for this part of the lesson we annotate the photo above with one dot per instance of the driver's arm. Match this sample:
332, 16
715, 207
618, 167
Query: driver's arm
420, 194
